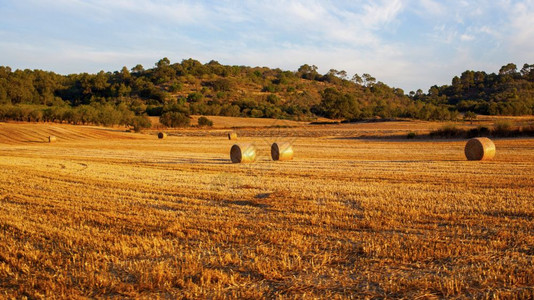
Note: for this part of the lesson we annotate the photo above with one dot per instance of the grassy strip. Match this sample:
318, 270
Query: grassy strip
502, 129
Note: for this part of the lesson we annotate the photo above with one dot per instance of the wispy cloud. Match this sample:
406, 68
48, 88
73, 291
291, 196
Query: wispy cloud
466, 37
406, 43
520, 40
431, 8
378, 13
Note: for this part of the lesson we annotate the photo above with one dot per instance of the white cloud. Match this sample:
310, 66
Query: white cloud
309, 12
180, 12
488, 30
443, 34
431, 8
377, 14
171, 11
520, 38
466, 37
437, 39
68, 58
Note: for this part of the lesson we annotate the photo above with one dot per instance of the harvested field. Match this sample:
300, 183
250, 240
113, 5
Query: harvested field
104, 213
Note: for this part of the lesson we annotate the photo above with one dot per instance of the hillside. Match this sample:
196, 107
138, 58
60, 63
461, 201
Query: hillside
510, 92
175, 91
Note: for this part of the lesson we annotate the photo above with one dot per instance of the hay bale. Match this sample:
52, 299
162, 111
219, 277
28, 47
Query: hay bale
282, 151
243, 153
232, 135
162, 135
480, 148
52, 139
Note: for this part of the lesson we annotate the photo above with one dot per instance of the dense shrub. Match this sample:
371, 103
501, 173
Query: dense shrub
502, 128
528, 130
448, 131
152, 110
479, 131
203, 121
140, 122
174, 119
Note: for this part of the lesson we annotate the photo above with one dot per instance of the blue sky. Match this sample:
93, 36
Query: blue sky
409, 44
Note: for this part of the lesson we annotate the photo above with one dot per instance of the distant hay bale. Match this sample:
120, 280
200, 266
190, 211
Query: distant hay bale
282, 151
243, 153
480, 148
232, 135
162, 135
52, 139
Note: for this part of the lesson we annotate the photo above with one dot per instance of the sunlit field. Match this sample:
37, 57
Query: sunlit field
106, 213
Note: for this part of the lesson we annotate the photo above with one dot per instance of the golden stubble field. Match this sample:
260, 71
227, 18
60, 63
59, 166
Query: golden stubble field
103, 213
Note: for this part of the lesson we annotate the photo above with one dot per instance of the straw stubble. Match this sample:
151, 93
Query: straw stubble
232, 136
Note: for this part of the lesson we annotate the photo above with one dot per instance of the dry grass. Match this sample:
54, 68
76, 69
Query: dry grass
232, 135
231, 122
27, 133
110, 214
284, 128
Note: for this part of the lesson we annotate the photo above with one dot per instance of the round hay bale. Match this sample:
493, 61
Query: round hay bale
52, 139
480, 148
232, 135
162, 135
243, 153
282, 151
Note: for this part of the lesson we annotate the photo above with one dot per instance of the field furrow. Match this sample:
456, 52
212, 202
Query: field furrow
96, 216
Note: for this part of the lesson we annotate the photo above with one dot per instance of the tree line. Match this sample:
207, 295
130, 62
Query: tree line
510, 92
174, 91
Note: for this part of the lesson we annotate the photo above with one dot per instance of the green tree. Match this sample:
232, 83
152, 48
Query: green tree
509, 69
164, 62
139, 122
203, 121
335, 104
368, 80
470, 116
174, 119
308, 72
138, 69
357, 79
